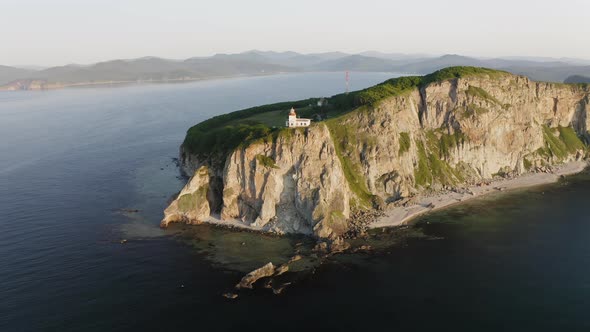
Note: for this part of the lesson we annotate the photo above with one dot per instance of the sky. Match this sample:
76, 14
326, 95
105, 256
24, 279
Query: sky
57, 32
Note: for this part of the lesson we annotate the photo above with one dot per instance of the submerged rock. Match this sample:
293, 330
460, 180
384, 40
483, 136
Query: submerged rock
294, 259
230, 295
281, 269
280, 289
249, 279
124, 210
268, 284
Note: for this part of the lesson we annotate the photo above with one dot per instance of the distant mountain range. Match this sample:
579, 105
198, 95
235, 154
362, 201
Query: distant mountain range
577, 79
154, 69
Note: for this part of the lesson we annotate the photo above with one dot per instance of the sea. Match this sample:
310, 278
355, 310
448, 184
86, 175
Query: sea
86, 173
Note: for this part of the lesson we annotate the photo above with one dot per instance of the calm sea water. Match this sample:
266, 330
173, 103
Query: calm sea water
70, 160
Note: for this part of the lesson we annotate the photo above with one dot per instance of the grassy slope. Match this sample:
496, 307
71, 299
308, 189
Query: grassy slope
560, 142
224, 133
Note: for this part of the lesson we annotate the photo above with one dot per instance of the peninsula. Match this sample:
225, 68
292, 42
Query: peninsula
402, 147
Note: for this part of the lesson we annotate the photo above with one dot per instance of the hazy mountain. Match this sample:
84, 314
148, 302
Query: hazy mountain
148, 69
548, 59
330, 55
577, 79
272, 55
8, 74
355, 63
257, 62
30, 67
429, 65
549, 73
246, 56
396, 56
294, 59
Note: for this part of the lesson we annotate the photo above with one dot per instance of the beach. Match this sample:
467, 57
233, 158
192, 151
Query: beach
402, 215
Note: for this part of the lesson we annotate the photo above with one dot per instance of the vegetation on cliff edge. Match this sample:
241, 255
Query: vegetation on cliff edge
223, 133
344, 138
560, 142
432, 167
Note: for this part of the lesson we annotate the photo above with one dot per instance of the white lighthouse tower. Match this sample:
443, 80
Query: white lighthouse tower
294, 121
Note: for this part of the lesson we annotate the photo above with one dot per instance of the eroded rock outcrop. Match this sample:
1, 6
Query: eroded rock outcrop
191, 205
439, 135
249, 279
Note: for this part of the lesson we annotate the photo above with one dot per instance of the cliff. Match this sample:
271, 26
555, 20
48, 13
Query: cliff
395, 140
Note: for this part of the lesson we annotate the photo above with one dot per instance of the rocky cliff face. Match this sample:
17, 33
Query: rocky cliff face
294, 184
192, 204
443, 134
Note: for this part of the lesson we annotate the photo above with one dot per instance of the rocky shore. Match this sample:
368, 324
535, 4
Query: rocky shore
418, 205
397, 214
404, 211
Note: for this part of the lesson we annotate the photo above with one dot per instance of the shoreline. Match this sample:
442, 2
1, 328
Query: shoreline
106, 84
403, 215
114, 83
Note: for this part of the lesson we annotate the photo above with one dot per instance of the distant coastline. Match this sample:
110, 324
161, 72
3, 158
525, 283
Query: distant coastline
254, 63
41, 85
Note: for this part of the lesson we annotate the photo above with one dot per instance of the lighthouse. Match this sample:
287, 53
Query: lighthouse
294, 121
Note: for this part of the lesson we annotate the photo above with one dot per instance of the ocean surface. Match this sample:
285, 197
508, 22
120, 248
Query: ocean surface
76, 164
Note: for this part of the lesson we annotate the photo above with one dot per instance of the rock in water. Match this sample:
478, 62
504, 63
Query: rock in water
249, 279
268, 284
282, 269
279, 290
230, 295
294, 259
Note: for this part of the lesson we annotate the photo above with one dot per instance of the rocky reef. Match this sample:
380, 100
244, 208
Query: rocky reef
399, 139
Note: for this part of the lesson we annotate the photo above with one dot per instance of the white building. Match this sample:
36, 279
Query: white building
294, 121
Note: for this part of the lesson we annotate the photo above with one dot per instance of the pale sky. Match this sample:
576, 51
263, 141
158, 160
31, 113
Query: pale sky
57, 32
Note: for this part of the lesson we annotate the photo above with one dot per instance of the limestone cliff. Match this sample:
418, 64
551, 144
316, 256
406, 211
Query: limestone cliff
192, 203
440, 133
294, 184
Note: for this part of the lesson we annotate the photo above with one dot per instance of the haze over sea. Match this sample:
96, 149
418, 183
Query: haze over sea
74, 161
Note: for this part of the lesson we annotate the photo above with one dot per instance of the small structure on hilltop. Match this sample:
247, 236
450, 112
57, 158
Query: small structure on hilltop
294, 121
